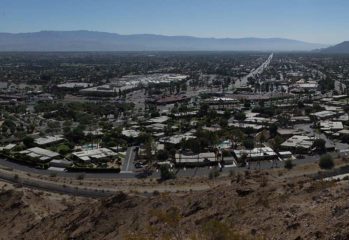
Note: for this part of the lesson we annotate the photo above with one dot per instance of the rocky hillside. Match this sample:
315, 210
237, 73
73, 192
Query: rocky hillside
257, 206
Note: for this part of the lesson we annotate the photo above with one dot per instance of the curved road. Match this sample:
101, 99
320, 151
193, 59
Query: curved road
7, 174
54, 187
189, 172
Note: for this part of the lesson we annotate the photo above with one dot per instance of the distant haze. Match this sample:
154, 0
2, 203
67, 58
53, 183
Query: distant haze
102, 41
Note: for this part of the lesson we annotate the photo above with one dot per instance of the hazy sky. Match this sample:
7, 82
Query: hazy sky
321, 21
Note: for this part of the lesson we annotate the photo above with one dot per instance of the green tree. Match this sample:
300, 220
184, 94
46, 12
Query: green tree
76, 135
289, 164
326, 162
320, 145
240, 116
273, 129
223, 122
203, 110
28, 141
247, 104
162, 155
63, 149
248, 144
165, 173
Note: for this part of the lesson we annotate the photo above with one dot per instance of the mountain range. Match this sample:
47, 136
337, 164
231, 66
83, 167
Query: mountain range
342, 48
103, 41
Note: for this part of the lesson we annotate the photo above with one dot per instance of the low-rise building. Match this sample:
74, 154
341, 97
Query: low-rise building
262, 153
222, 102
130, 133
344, 132
169, 99
331, 126
94, 155
49, 140
8, 147
60, 163
176, 139
324, 114
97, 132
298, 142
195, 160
289, 132
39, 154
156, 127
255, 127
160, 119
75, 85
286, 155
300, 119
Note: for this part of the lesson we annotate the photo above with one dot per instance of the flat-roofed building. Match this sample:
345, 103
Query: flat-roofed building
49, 140
160, 119
222, 102
286, 155
75, 85
97, 132
60, 163
300, 119
331, 126
298, 142
289, 132
255, 127
176, 139
324, 114
262, 153
8, 147
39, 154
95, 155
195, 160
130, 133
344, 132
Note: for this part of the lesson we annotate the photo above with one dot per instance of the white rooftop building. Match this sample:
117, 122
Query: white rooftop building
48, 140
197, 159
324, 114
331, 126
130, 133
8, 147
160, 119
97, 132
262, 153
299, 141
176, 139
40, 154
98, 154
245, 125
72, 85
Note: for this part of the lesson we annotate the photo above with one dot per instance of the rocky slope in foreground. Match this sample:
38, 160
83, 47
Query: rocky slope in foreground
258, 206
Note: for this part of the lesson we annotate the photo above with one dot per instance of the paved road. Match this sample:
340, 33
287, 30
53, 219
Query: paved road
189, 172
243, 81
99, 192
24, 168
128, 163
55, 187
